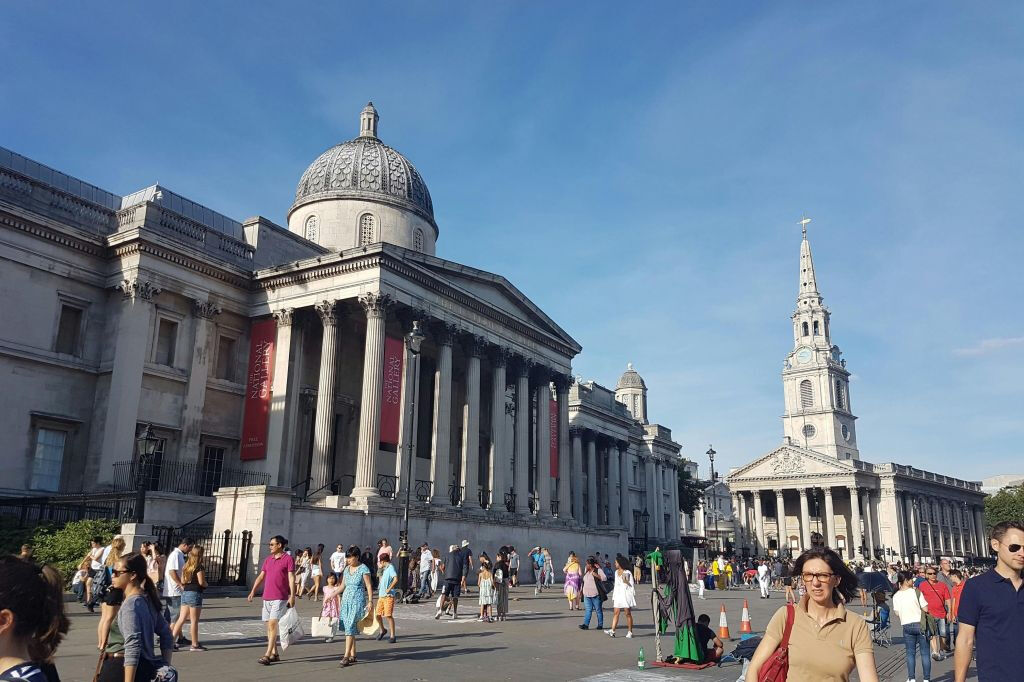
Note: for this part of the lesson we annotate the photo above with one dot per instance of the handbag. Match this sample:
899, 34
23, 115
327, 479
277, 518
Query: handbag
323, 626
602, 591
776, 668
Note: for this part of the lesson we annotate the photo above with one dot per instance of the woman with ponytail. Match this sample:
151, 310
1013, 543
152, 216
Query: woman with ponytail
32, 620
193, 580
140, 620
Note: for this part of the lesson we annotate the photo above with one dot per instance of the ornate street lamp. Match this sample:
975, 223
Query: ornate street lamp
714, 493
413, 341
645, 517
146, 445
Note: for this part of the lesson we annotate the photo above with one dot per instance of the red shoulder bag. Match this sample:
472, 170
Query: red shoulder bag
776, 668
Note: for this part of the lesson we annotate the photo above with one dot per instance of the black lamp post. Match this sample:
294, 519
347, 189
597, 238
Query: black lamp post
414, 341
916, 549
714, 493
645, 517
145, 446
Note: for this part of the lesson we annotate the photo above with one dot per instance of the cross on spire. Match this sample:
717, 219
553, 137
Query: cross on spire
803, 225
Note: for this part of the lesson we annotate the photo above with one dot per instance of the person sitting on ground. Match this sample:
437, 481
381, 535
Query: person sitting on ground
706, 636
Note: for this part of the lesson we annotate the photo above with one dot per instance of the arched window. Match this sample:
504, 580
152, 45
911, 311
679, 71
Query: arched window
417, 239
312, 228
806, 394
367, 230
805, 329
816, 332
840, 542
840, 398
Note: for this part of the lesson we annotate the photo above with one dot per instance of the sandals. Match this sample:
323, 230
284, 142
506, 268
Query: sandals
264, 660
346, 662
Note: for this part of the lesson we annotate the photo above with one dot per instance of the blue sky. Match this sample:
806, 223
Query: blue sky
638, 172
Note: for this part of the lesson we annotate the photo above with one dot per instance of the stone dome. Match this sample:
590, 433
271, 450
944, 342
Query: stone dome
630, 379
365, 168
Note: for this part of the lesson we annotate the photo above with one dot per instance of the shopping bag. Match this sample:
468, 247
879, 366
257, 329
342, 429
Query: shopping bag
291, 628
323, 626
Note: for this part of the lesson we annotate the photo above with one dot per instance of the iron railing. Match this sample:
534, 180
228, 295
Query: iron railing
387, 486
226, 555
423, 490
455, 494
184, 478
484, 495
510, 502
31, 511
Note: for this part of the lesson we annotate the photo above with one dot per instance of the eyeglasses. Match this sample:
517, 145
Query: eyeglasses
930, 573
114, 572
822, 577
1014, 548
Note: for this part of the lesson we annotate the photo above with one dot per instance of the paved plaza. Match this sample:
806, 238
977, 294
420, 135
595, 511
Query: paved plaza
539, 642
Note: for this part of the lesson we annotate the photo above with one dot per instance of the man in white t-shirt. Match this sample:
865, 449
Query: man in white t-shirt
764, 579
426, 562
172, 577
338, 563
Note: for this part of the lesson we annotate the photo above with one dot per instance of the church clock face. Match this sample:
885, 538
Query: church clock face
803, 356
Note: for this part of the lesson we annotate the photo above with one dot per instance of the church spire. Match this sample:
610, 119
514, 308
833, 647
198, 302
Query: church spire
808, 282
368, 121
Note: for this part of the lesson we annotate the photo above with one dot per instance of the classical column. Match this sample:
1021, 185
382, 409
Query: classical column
780, 521
576, 433
284, 391
498, 465
739, 503
830, 517
131, 347
869, 525
323, 427
855, 534
544, 444
376, 306
521, 474
613, 487
565, 470
984, 547
659, 500
203, 313
471, 424
592, 519
908, 515
649, 494
625, 498
961, 526
440, 463
805, 520
760, 546
674, 501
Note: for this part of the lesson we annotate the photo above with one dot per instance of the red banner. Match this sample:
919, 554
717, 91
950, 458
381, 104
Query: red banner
391, 390
553, 418
257, 390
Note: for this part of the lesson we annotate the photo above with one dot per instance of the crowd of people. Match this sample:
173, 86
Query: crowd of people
146, 598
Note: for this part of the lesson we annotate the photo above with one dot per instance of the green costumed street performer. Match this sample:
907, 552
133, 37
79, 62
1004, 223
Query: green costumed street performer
672, 604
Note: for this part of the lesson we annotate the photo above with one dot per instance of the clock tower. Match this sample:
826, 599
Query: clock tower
815, 380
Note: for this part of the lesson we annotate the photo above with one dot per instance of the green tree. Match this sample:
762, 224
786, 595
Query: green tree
1006, 505
63, 547
691, 493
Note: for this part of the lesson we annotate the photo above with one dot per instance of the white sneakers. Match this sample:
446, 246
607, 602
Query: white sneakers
610, 633
629, 635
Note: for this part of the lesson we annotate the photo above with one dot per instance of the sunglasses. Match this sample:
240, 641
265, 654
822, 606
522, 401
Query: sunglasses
114, 572
1014, 548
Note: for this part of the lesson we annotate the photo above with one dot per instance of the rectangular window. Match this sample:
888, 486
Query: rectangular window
226, 358
166, 340
48, 459
210, 474
69, 329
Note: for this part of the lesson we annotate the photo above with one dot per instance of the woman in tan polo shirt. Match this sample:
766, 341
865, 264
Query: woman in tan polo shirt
827, 641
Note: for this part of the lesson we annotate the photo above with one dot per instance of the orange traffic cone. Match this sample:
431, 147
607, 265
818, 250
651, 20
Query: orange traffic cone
745, 619
723, 625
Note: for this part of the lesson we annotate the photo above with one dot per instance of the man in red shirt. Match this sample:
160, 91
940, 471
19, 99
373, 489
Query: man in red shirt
278, 595
939, 606
958, 587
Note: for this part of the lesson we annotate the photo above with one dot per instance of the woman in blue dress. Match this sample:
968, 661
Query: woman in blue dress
356, 601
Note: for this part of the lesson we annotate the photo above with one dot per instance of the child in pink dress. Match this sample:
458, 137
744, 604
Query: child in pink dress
331, 601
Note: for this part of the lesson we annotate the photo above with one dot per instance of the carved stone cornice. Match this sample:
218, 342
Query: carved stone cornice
284, 316
134, 288
205, 309
328, 312
375, 304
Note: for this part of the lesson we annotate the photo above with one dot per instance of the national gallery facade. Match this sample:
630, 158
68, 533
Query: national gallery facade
308, 375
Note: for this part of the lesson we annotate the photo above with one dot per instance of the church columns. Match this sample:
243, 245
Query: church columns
855, 534
522, 422
830, 517
498, 465
576, 433
984, 549
739, 501
440, 463
195, 392
281, 458
613, 486
592, 519
759, 543
911, 521
376, 306
805, 519
323, 429
471, 424
780, 522
565, 468
543, 482
869, 525
625, 503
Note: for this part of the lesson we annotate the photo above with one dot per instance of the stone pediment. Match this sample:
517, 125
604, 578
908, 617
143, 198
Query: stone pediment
788, 461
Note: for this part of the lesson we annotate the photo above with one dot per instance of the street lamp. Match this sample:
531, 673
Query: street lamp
714, 493
645, 517
146, 445
413, 341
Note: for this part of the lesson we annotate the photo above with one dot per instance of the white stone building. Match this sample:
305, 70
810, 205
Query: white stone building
815, 489
271, 355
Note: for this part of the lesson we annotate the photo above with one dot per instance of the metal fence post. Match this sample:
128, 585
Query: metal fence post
245, 553
224, 558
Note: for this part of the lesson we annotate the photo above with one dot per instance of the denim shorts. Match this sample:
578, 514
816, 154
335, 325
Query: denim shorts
189, 598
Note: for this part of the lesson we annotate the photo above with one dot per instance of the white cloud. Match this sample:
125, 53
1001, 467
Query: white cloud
990, 346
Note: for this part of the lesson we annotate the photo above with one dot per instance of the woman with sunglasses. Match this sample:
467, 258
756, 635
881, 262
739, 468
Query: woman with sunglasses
826, 641
140, 620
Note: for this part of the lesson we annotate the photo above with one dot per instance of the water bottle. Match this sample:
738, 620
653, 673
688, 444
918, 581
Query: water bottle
640, 662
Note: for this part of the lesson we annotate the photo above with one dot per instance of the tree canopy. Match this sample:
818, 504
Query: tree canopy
1006, 505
